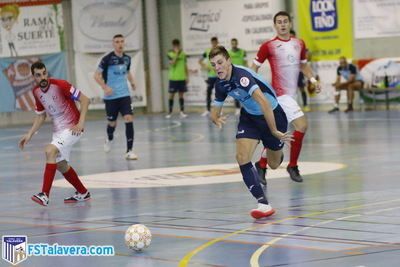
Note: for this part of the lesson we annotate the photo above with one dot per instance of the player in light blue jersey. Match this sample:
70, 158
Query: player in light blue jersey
261, 118
112, 75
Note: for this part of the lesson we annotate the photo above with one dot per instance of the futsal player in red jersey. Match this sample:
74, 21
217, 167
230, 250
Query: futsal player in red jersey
57, 99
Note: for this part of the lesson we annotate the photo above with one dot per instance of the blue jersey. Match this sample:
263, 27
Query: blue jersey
241, 86
114, 70
347, 71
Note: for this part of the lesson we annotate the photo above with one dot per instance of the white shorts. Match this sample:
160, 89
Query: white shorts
290, 106
64, 140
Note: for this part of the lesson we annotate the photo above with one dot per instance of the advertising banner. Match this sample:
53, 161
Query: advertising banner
97, 21
16, 81
326, 28
30, 27
250, 21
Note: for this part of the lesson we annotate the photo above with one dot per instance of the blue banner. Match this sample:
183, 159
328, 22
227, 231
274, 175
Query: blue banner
16, 81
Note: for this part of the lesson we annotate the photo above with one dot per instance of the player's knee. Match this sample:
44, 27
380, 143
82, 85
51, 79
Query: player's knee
51, 151
62, 166
242, 158
128, 118
272, 164
112, 123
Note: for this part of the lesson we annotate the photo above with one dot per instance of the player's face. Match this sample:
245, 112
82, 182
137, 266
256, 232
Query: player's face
342, 62
41, 77
214, 43
119, 44
282, 25
222, 66
234, 44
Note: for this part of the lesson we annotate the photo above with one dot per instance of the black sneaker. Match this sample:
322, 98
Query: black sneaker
294, 174
262, 172
78, 197
335, 109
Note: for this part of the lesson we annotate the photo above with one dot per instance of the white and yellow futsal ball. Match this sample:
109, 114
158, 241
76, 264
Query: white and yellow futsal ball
137, 237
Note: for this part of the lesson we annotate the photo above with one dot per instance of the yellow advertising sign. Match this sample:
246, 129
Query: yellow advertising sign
326, 28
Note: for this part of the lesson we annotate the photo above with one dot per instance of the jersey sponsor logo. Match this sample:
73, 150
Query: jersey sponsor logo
323, 15
244, 81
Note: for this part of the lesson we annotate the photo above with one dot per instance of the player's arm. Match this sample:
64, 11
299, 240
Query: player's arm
255, 67
37, 123
131, 80
270, 117
202, 63
84, 106
216, 117
307, 71
98, 77
215, 114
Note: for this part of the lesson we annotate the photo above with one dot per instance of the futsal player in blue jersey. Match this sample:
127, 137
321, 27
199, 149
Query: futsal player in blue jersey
113, 75
261, 118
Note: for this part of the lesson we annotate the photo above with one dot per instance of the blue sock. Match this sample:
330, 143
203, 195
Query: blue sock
250, 178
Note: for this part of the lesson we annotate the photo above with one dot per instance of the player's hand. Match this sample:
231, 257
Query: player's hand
107, 90
317, 87
220, 121
283, 137
133, 85
77, 129
24, 140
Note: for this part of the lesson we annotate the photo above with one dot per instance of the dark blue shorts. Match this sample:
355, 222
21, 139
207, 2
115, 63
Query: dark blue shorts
256, 127
121, 105
177, 86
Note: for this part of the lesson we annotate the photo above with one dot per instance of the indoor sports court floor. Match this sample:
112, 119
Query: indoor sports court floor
187, 189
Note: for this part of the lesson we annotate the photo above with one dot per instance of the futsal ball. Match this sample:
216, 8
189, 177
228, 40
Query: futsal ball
137, 237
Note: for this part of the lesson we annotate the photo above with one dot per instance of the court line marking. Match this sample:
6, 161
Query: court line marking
254, 260
186, 259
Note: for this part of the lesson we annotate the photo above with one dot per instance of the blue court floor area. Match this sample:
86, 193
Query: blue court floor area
187, 189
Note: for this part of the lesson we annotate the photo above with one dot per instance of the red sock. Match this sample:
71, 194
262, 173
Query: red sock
295, 148
263, 160
48, 177
73, 179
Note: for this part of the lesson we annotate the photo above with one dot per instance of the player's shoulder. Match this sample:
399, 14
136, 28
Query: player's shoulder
241, 71
108, 55
126, 56
60, 83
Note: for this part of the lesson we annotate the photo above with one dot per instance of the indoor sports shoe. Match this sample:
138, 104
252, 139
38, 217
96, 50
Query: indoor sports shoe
263, 211
294, 174
168, 116
182, 115
306, 109
78, 197
41, 199
205, 113
107, 145
130, 155
335, 109
262, 172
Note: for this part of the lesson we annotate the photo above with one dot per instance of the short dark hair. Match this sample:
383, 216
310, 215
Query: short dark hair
213, 39
118, 36
282, 13
176, 42
37, 65
218, 50
292, 32
234, 40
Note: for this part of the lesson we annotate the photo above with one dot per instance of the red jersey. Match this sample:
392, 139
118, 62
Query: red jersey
59, 102
285, 57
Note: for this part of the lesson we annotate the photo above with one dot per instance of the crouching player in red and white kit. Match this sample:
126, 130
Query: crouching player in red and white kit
57, 98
